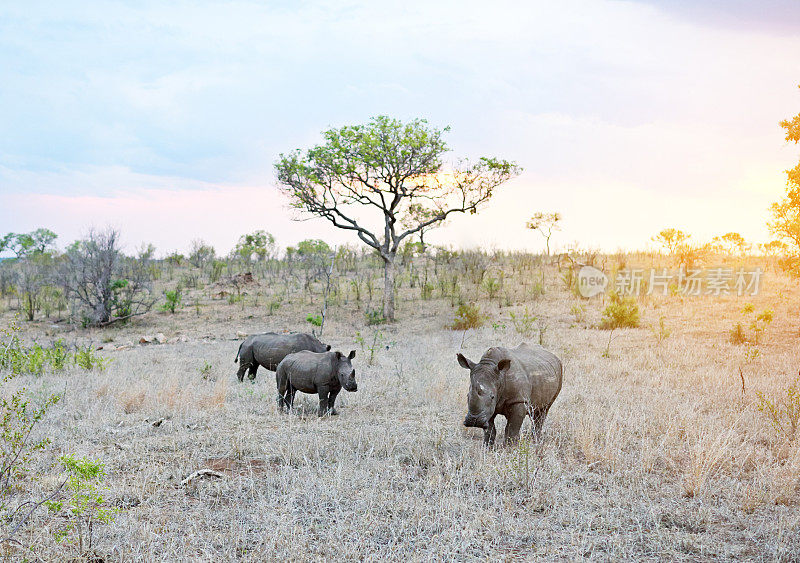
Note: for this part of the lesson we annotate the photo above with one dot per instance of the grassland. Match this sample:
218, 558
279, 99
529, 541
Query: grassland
652, 451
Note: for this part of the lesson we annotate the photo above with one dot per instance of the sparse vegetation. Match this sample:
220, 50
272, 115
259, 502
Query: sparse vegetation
621, 312
467, 316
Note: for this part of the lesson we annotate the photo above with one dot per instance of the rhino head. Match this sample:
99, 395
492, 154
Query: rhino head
345, 371
484, 382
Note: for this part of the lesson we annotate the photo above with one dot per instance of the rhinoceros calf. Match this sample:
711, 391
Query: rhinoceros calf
270, 348
513, 382
322, 373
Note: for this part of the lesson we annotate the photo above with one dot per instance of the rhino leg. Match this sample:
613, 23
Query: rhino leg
332, 401
490, 433
538, 416
516, 416
323, 392
240, 373
252, 374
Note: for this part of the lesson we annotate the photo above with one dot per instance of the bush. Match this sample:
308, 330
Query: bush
375, 317
621, 312
85, 504
467, 316
18, 418
784, 413
524, 323
172, 300
88, 360
314, 320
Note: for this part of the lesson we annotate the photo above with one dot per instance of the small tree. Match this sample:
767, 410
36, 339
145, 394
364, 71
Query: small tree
546, 224
786, 212
387, 166
258, 246
104, 285
201, 253
732, 243
671, 239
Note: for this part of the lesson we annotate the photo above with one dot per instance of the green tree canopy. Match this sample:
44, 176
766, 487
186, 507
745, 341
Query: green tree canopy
386, 180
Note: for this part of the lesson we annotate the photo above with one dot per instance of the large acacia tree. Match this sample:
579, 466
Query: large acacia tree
786, 213
386, 180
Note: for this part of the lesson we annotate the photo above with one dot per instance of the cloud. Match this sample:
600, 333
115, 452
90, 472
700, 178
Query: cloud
652, 104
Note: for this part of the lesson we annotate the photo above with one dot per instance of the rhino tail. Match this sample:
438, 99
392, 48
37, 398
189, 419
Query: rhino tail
239, 351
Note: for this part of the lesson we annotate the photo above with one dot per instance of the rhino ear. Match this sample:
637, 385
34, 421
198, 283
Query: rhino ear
338, 355
503, 365
328, 347
351, 355
464, 362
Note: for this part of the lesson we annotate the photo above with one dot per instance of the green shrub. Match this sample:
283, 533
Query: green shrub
467, 316
783, 413
85, 504
314, 320
85, 358
18, 418
375, 317
737, 334
172, 300
524, 323
621, 312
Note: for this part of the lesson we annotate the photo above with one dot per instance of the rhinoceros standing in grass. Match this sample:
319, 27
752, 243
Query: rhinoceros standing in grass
270, 348
324, 374
513, 382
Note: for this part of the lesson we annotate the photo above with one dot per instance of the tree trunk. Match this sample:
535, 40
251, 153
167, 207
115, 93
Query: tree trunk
388, 287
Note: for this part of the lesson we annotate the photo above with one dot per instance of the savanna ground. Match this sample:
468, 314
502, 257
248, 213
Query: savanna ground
651, 451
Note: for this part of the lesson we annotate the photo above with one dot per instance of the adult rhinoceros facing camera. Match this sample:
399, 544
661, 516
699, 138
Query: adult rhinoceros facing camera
270, 348
323, 374
515, 383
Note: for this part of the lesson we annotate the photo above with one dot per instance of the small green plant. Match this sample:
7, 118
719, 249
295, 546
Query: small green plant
621, 312
375, 317
521, 464
172, 300
205, 371
783, 413
85, 504
498, 327
86, 358
426, 290
662, 331
578, 313
18, 419
274, 305
372, 346
738, 334
492, 286
760, 324
524, 323
467, 316
315, 320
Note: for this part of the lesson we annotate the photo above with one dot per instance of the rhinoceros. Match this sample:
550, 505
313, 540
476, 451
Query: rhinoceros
270, 348
513, 382
310, 372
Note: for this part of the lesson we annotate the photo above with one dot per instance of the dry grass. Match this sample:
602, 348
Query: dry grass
652, 453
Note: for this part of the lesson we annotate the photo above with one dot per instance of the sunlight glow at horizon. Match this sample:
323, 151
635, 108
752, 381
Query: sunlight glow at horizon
627, 117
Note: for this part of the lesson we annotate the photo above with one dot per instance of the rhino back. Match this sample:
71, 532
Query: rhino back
544, 371
270, 348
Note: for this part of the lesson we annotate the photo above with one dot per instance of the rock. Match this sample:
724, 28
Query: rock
146, 339
183, 338
160, 338
241, 334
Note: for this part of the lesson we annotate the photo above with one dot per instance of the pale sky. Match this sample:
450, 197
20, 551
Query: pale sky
164, 119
